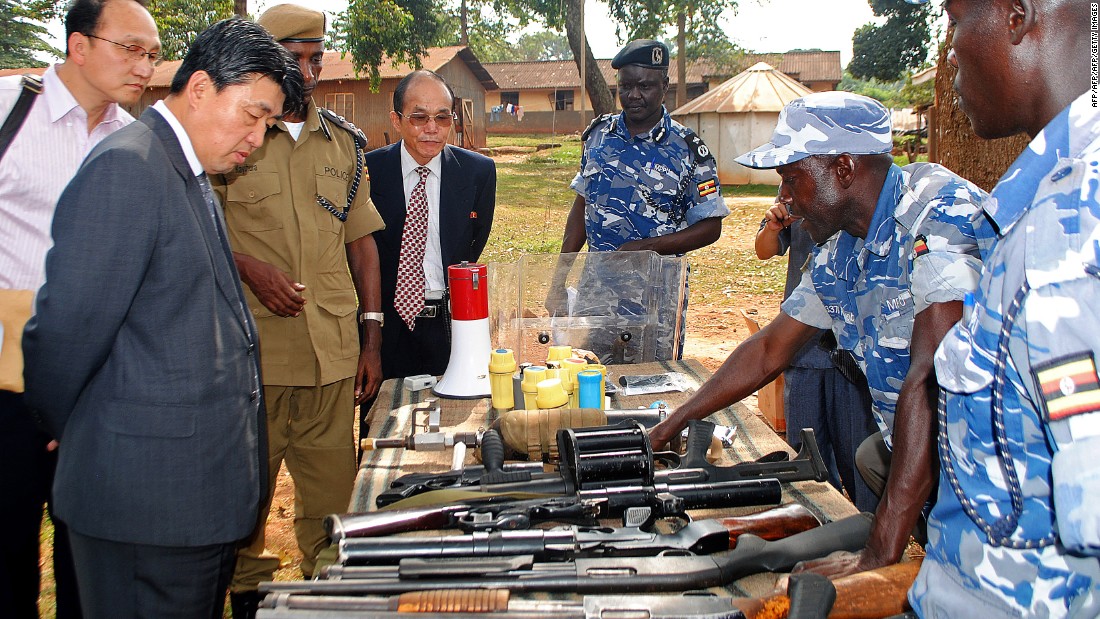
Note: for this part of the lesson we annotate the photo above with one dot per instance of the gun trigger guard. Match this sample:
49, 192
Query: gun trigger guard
667, 460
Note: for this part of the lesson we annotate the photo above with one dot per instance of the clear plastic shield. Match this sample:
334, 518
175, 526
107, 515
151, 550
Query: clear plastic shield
626, 307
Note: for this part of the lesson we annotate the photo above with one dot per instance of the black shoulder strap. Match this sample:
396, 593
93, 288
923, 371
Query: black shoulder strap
343, 123
32, 86
698, 148
360, 144
595, 123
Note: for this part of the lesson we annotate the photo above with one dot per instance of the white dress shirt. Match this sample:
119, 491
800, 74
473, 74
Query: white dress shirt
434, 276
41, 161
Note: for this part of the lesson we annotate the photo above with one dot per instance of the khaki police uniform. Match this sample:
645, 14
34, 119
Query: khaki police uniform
274, 213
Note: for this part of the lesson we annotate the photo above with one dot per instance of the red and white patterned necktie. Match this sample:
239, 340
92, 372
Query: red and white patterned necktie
409, 298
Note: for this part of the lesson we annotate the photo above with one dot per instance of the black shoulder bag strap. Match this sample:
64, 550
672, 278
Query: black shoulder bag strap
32, 86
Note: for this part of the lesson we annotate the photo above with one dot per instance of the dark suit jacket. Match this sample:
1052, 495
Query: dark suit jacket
467, 197
141, 358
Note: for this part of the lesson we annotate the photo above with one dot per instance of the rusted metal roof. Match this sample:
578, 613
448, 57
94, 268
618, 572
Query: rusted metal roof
543, 74
340, 68
813, 65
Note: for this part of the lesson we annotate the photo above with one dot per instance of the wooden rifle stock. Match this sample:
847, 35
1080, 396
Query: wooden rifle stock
771, 524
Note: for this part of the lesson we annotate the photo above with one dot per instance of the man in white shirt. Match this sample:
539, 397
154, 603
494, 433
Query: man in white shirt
111, 47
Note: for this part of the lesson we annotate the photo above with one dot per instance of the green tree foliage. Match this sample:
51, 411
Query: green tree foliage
401, 29
894, 94
545, 45
488, 32
888, 51
704, 36
180, 21
21, 34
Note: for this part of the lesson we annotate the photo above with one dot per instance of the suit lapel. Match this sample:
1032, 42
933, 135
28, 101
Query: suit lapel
454, 205
221, 256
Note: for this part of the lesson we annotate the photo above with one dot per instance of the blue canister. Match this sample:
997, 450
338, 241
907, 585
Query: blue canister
591, 389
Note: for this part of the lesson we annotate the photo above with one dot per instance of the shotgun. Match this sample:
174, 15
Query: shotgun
869, 595
626, 443
564, 543
673, 572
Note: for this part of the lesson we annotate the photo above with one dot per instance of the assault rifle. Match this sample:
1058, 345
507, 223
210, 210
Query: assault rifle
477, 511
611, 455
563, 543
619, 574
867, 595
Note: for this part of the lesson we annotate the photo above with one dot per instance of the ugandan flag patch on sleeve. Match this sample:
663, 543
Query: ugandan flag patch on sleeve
1068, 385
708, 187
920, 246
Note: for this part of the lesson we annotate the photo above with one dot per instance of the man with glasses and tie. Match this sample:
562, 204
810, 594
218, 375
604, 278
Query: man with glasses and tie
300, 223
437, 201
141, 357
111, 47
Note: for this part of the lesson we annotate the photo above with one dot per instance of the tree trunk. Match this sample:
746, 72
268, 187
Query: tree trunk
240, 7
681, 58
465, 35
981, 162
598, 91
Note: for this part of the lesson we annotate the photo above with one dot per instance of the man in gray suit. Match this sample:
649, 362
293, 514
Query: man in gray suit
141, 358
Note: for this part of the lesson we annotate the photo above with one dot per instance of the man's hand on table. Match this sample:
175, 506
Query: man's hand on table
840, 563
662, 433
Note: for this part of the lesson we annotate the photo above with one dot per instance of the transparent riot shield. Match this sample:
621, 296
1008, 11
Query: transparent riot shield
626, 307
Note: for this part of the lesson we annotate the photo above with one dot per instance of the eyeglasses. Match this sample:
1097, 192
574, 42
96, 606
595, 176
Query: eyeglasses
420, 119
134, 52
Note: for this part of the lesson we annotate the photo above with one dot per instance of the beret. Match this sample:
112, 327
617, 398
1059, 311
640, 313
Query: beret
293, 23
644, 52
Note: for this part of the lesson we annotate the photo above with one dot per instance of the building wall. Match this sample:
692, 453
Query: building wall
730, 135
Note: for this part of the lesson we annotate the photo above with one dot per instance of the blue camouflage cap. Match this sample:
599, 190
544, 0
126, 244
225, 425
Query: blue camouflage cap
825, 123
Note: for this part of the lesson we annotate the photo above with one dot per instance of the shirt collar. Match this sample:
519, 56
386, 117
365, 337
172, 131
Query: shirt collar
849, 257
409, 165
312, 119
1073, 130
658, 133
181, 135
60, 100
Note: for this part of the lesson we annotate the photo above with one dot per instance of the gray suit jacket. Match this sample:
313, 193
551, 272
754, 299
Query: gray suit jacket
141, 358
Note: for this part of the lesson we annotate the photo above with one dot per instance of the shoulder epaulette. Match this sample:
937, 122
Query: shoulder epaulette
595, 123
343, 123
698, 147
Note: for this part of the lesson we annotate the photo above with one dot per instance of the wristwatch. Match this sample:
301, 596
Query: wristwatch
378, 317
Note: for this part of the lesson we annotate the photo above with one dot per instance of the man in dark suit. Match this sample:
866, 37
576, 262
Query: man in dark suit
141, 358
451, 208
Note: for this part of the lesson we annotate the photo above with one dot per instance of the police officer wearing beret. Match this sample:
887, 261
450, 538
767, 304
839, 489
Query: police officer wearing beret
646, 182
300, 221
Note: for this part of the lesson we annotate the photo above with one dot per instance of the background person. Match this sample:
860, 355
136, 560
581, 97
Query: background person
897, 257
300, 222
110, 49
437, 201
816, 394
158, 402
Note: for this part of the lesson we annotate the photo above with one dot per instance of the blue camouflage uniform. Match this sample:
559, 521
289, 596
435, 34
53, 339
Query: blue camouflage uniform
920, 249
1016, 528
644, 186
639, 187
